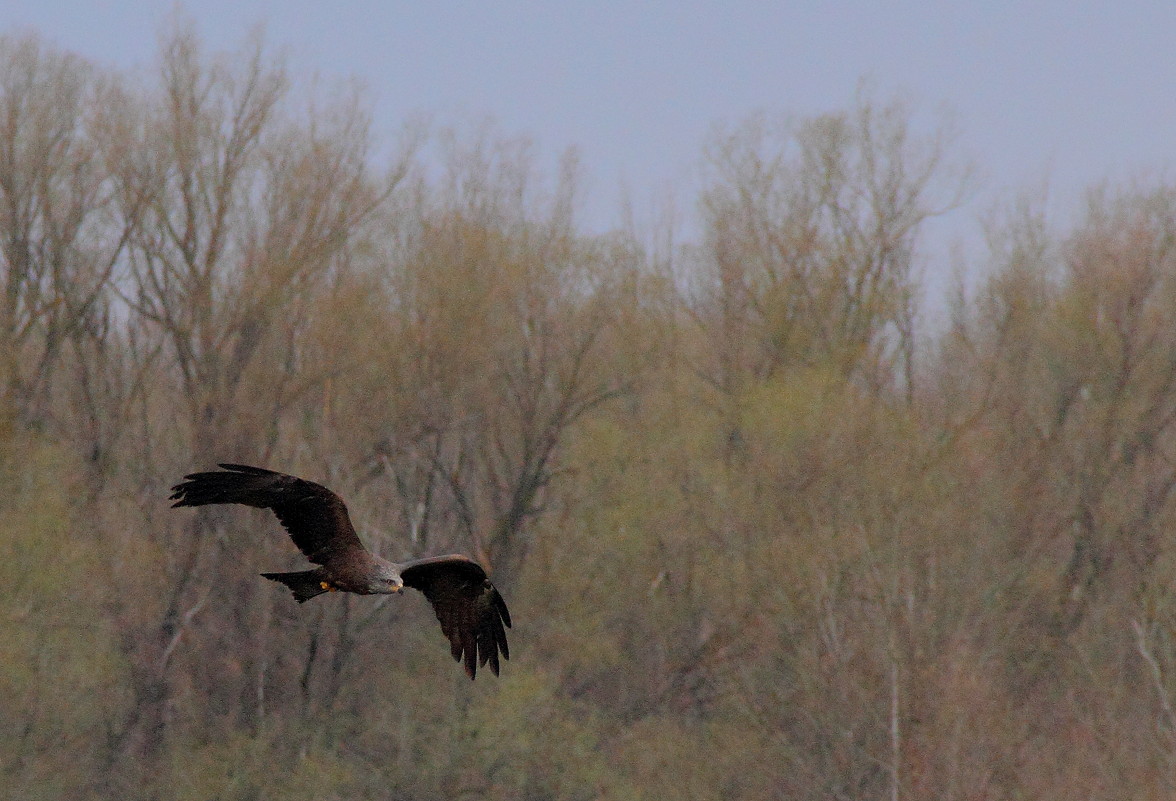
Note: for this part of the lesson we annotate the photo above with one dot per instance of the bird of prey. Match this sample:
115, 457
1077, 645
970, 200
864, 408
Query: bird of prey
471, 611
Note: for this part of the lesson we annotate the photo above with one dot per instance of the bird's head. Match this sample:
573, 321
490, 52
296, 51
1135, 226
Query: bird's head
386, 579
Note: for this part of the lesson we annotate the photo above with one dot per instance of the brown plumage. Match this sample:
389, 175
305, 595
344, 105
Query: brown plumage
471, 611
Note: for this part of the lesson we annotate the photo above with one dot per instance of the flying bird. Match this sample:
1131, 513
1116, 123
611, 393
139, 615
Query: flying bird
471, 611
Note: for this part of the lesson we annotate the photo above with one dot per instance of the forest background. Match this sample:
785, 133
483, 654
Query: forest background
763, 534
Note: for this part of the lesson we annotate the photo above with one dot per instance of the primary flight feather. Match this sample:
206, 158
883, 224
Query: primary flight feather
470, 609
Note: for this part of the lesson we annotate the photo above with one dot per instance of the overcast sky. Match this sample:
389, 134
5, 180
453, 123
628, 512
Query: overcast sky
1070, 93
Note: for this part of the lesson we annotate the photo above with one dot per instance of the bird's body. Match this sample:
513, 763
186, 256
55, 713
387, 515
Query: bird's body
471, 611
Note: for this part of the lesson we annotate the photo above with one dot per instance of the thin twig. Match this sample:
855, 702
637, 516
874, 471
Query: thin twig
1157, 675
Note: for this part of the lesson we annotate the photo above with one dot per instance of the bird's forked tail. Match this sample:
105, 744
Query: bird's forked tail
304, 584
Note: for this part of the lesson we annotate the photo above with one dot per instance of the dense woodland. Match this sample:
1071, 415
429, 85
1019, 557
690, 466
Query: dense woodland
764, 534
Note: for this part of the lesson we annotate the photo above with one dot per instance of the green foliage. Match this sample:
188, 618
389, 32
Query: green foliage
61, 673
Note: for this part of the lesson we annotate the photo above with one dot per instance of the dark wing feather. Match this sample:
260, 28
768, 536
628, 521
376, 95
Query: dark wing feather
471, 612
315, 517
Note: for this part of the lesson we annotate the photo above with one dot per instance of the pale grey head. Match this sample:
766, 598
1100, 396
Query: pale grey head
385, 578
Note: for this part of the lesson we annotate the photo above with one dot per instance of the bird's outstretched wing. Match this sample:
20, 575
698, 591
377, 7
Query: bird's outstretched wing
315, 517
471, 611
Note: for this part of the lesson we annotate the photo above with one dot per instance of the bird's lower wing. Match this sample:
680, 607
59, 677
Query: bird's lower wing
471, 611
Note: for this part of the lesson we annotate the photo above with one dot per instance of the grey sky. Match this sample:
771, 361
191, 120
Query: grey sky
1074, 92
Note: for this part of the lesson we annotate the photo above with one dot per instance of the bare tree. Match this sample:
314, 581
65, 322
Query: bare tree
58, 246
500, 310
245, 218
811, 233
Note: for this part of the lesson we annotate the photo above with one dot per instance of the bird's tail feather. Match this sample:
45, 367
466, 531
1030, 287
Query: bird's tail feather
305, 584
